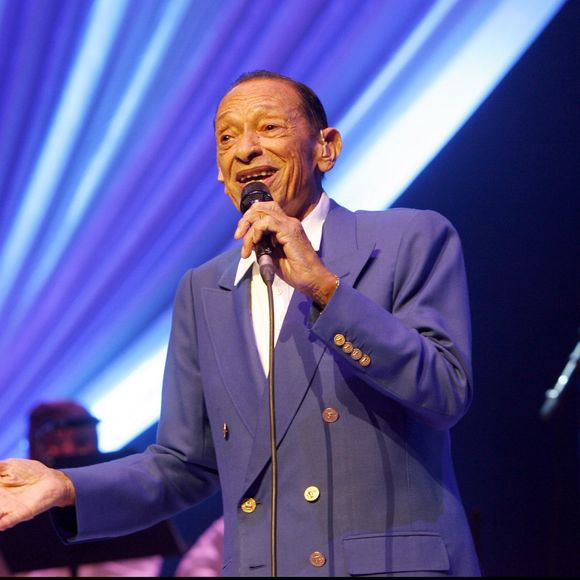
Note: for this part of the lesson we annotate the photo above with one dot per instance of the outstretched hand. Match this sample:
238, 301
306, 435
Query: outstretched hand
28, 488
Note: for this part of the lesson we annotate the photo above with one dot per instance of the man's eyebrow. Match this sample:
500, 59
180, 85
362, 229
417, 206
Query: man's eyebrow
257, 110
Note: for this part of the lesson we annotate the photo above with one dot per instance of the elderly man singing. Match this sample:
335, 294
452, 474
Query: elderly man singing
372, 370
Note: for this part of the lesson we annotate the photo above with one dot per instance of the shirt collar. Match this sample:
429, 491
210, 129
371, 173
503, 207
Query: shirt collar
312, 225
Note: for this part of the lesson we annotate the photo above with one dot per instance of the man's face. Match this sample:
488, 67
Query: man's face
262, 134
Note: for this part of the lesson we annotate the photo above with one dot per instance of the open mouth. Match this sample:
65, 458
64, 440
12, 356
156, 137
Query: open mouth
256, 174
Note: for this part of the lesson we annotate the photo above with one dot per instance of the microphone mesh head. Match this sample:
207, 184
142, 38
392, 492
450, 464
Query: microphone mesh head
253, 192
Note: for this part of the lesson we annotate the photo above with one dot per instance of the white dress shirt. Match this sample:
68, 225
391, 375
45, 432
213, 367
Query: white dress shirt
282, 292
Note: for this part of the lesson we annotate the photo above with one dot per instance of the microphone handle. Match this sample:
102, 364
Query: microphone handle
263, 251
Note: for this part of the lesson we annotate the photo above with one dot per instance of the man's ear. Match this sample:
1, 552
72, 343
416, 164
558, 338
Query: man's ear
328, 147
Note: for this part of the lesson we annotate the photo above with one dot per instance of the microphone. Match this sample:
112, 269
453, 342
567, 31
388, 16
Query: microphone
253, 192
553, 394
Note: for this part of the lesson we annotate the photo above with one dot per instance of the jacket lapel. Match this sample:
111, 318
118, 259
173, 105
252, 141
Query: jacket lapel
227, 310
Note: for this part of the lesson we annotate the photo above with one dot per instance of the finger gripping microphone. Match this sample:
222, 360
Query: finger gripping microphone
253, 192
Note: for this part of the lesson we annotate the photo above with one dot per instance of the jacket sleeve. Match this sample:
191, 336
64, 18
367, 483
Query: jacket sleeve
135, 492
418, 342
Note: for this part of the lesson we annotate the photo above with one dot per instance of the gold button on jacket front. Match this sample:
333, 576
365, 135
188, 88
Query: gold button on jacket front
311, 493
249, 505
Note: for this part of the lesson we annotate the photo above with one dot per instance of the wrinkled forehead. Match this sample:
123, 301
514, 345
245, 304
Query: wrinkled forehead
274, 95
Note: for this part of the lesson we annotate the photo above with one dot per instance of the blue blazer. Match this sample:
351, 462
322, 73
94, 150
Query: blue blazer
366, 393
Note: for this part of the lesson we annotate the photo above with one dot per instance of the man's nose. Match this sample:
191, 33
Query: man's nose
249, 146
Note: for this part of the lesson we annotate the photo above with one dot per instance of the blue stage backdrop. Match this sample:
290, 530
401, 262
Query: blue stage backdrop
108, 188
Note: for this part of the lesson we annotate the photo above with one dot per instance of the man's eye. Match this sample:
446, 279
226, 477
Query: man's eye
271, 127
225, 138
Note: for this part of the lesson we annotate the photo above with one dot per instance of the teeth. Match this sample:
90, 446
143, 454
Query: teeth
257, 176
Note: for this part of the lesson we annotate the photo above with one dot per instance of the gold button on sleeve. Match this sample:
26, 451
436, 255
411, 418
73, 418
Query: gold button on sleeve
339, 339
356, 354
365, 360
347, 347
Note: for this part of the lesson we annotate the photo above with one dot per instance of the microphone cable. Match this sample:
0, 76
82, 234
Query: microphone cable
254, 192
273, 451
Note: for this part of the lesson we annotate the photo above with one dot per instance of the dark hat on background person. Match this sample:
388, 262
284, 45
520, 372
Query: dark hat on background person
47, 417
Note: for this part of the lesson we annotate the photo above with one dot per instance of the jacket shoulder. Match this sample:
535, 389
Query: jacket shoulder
401, 222
210, 272
400, 215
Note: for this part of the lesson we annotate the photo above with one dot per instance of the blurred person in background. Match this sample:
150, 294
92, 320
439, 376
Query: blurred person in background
61, 429
206, 555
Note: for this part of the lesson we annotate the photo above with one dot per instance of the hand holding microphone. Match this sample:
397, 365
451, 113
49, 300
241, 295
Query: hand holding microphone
294, 258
